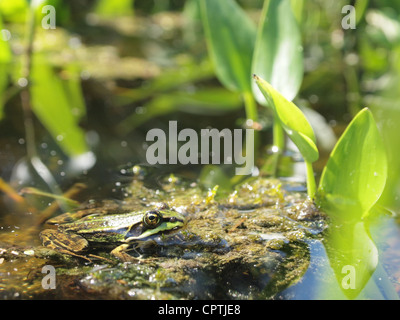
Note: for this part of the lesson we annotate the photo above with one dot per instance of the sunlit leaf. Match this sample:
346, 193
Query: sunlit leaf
230, 36
292, 119
278, 53
14, 10
351, 183
356, 171
114, 8
297, 8
5, 59
51, 105
385, 25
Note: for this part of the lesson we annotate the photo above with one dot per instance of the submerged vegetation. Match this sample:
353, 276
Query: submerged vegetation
81, 88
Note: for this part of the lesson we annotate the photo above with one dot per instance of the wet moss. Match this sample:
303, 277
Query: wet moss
250, 249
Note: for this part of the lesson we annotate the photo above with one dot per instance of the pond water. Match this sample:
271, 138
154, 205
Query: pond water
263, 241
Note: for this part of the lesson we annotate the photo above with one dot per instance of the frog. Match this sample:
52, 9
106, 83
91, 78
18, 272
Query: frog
124, 231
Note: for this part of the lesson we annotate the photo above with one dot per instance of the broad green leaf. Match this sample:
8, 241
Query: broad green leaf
278, 53
292, 119
73, 91
361, 7
297, 8
14, 10
3, 85
204, 101
169, 79
51, 105
230, 36
5, 59
114, 8
356, 171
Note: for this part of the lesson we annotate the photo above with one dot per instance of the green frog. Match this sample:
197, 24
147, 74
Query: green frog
123, 231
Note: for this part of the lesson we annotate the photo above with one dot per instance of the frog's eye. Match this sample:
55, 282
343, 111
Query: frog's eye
152, 219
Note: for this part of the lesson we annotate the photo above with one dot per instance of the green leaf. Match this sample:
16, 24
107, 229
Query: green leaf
351, 184
206, 101
5, 59
14, 11
230, 36
278, 53
73, 91
114, 8
169, 79
292, 119
297, 8
356, 171
51, 105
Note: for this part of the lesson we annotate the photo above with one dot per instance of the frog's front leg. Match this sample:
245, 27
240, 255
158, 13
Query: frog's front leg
71, 244
121, 253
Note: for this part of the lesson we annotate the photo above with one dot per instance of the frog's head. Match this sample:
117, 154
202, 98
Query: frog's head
160, 221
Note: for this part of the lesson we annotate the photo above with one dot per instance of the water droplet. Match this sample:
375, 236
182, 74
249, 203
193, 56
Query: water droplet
140, 110
5, 34
22, 82
275, 149
249, 123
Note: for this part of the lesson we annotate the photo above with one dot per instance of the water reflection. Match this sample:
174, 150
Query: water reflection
348, 263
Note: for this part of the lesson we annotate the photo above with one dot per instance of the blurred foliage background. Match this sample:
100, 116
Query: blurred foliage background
80, 98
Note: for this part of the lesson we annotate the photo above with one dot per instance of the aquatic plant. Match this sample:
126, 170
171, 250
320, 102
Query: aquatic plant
58, 103
296, 125
272, 50
356, 172
351, 184
55, 100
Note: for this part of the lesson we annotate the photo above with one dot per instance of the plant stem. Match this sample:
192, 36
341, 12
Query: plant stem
311, 186
25, 93
278, 135
38, 166
250, 106
252, 114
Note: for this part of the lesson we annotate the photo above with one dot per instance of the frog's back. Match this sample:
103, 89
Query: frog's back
105, 228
